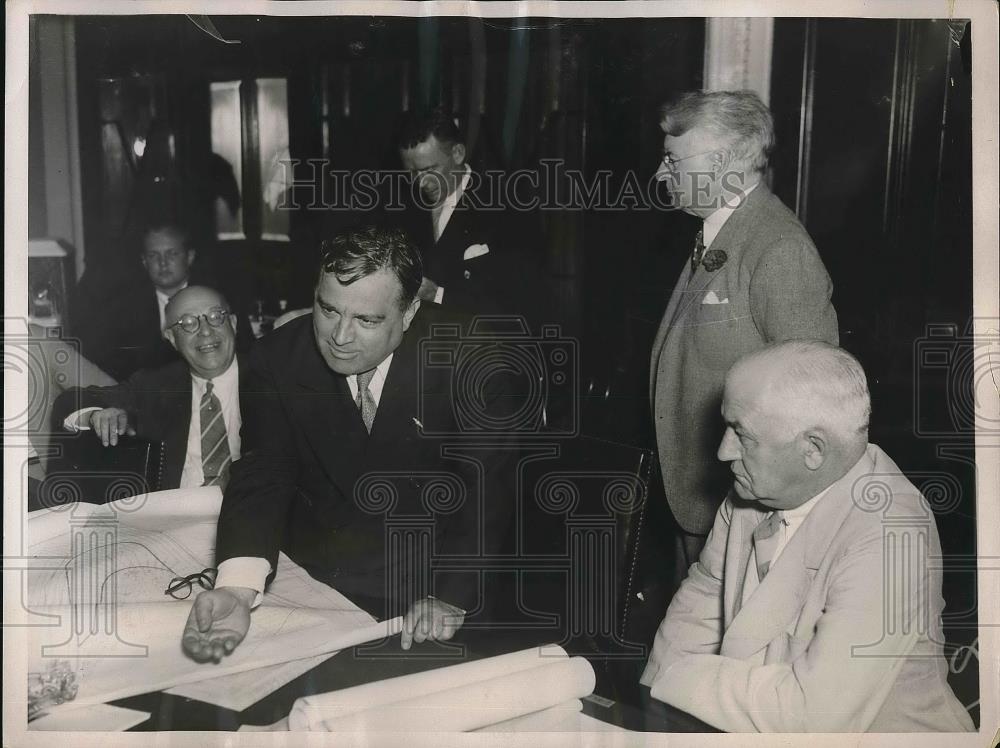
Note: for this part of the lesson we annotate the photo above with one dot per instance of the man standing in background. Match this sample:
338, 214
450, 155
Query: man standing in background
754, 278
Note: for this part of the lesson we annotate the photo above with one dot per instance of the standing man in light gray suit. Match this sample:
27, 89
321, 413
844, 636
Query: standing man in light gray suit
754, 278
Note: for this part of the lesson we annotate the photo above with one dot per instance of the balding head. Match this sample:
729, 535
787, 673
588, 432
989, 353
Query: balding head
209, 349
797, 420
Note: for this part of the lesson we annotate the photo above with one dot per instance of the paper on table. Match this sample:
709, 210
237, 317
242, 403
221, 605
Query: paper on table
102, 717
551, 719
474, 705
242, 690
122, 635
309, 712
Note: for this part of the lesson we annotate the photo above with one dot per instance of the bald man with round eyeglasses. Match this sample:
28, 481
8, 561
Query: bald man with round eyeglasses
191, 405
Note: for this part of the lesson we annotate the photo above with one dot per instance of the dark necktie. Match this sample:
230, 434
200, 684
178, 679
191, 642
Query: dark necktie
364, 400
699, 250
765, 542
215, 456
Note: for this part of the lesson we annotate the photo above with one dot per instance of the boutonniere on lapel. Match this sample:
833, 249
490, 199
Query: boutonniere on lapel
714, 259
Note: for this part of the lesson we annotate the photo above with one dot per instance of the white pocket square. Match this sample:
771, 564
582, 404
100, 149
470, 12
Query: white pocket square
476, 250
712, 298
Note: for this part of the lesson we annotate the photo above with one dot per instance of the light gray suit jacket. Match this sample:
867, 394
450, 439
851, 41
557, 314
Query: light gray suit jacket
777, 289
842, 635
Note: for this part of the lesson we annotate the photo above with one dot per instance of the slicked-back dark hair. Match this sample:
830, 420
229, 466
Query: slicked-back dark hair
416, 127
360, 252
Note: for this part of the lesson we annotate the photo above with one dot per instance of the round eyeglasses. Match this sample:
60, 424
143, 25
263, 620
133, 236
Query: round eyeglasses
180, 587
191, 323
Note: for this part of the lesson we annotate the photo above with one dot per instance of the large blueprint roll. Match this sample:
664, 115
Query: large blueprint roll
463, 697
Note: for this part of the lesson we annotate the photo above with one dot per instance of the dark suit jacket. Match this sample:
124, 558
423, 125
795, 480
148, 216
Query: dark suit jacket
510, 279
774, 287
158, 403
313, 483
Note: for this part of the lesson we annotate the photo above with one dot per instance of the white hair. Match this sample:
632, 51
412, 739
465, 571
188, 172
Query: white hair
817, 385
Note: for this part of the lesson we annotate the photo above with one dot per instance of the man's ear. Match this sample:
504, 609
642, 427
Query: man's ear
169, 336
458, 153
815, 445
191, 255
233, 322
721, 159
409, 313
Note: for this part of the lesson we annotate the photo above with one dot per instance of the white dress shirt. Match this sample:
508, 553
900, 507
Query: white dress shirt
161, 302
251, 571
714, 223
377, 383
227, 388
439, 219
791, 521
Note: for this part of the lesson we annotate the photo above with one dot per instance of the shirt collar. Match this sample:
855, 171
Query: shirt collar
164, 297
228, 378
714, 223
382, 370
800, 512
452, 200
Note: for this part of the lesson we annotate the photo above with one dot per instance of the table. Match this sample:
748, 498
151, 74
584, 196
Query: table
631, 708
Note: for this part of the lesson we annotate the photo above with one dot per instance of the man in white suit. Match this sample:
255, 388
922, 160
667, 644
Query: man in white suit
815, 605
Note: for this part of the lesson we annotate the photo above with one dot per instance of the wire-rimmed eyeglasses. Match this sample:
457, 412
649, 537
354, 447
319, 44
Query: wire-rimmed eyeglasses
671, 163
180, 587
191, 323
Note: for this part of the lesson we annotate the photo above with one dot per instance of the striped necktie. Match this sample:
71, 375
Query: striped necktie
765, 542
215, 456
365, 401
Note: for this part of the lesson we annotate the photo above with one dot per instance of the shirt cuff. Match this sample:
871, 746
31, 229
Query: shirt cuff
244, 571
72, 421
439, 294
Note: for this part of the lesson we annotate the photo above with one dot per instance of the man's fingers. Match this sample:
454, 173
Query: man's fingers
130, 431
122, 422
448, 631
409, 623
423, 629
437, 629
203, 613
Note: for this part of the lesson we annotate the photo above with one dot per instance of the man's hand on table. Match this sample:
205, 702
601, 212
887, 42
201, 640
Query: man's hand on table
109, 423
217, 623
430, 619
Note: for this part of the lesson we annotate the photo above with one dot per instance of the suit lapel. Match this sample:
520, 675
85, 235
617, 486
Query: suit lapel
329, 417
778, 600
176, 438
737, 561
691, 284
666, 323
397, 405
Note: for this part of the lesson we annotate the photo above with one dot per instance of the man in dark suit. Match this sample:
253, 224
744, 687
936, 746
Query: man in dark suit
121, 331
754, 278
480, 254
191, 405
341, 416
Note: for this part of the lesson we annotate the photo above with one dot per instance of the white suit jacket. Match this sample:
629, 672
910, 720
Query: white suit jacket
842, 635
